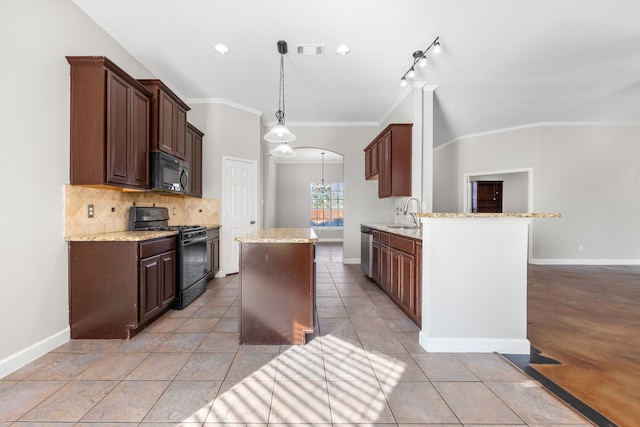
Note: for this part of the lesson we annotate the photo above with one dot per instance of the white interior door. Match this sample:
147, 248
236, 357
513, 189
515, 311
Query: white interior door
239, 208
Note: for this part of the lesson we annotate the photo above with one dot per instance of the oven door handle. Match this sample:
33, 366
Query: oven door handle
194, 240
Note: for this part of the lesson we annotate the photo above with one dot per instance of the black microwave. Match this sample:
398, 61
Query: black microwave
168, 173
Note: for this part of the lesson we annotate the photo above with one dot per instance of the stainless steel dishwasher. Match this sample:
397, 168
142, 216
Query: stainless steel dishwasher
366, 240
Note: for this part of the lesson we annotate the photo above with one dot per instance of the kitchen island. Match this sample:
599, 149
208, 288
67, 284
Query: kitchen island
474, 283
277, 286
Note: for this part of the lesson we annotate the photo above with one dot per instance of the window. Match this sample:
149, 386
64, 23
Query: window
327, 204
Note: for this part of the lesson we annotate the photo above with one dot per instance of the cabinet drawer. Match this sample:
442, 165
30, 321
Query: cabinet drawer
158, 246
403, 244
381, 237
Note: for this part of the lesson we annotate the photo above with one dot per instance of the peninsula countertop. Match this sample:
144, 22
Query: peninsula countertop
486, 215
279, 235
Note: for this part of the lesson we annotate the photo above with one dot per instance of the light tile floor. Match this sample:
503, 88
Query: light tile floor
363, 367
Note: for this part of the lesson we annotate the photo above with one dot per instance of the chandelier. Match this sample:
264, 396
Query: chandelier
322, 186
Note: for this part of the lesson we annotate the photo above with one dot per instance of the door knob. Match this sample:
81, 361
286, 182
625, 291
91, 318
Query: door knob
252, 222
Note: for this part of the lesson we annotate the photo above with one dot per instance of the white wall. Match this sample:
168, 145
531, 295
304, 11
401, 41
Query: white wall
293, 194
35, 36
229, 131
588, 173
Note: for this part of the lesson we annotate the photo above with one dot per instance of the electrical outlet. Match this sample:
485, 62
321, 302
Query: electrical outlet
581, 248
89, 211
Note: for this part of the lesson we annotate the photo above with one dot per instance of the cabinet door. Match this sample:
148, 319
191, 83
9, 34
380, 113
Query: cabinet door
384, 164
118, 137
215, 256
385, 268
196, 167
180, 129
395, 274
373, 166
139, 140
151, 272
189, 158
167, 280
406, 290
166, 131
375, 261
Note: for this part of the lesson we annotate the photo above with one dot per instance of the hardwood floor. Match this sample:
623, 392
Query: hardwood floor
588, 319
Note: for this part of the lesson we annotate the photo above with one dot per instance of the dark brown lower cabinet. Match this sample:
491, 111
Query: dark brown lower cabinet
277, 292
213, 251
397, 269
116, 288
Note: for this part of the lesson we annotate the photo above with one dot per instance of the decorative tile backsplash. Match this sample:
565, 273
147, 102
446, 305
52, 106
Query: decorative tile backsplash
111, 209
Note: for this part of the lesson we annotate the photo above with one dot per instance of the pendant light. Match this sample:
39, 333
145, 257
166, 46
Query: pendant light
280, 133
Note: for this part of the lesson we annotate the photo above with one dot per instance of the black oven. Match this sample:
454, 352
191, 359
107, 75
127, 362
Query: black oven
192, 258
192, 265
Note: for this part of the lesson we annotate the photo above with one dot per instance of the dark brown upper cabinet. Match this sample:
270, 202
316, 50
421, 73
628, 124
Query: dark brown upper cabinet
388, 159
194, 157
168, 120
109, 125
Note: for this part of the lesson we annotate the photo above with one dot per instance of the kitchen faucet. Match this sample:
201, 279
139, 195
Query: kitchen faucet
406, 208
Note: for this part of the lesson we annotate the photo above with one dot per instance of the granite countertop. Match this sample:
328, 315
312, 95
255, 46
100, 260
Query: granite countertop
279, 235
399, 229
487, 215
122, 236
211, 225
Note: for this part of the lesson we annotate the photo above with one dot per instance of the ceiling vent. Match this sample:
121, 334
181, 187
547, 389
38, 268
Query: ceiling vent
311, 49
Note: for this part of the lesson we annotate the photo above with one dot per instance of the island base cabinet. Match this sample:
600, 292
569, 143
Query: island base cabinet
277, 292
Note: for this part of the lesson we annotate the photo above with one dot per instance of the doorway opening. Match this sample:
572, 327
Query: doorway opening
516, 194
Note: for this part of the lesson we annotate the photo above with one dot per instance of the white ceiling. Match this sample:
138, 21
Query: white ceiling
504, 63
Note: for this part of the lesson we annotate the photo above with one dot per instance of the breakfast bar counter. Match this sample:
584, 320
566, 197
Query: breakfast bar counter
277, 286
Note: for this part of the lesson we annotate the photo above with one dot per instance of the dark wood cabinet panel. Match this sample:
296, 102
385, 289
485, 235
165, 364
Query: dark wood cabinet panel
213, 251
486, 196
117, 288
109, 125
277, 292
371, 161
168, 119
193, 144
388, 159
397, 271
417, 304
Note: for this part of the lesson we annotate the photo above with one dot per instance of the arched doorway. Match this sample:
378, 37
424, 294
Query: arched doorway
300, 198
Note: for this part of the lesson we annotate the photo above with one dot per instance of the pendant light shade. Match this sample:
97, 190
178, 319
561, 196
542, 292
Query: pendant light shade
280, 133
283, 150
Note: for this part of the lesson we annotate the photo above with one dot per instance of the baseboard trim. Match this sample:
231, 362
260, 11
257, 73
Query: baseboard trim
17, 360
474, 345
351, 260
543, 261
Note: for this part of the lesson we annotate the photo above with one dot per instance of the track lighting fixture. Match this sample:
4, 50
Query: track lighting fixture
420, 58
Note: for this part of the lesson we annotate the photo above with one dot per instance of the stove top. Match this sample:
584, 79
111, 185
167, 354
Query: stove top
143, 218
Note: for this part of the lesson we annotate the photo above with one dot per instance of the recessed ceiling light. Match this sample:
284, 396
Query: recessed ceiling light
221, 49
342, 50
